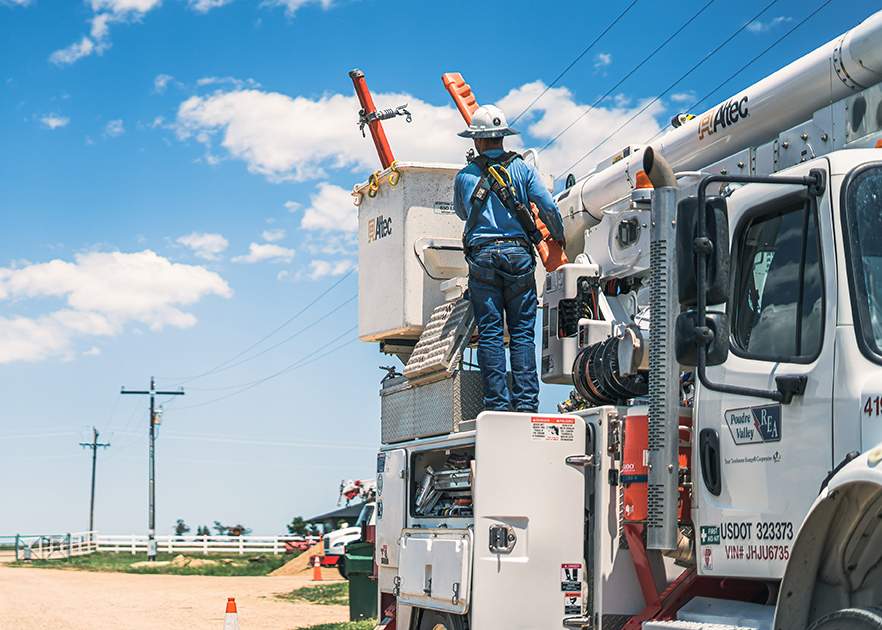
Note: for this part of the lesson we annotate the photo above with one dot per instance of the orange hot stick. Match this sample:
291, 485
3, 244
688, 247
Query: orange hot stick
461, 93
375, 126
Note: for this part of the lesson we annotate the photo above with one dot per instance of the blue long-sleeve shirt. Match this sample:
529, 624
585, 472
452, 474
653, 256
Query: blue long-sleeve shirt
495, 220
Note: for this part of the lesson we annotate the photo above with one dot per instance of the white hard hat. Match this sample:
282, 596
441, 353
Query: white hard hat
488, 121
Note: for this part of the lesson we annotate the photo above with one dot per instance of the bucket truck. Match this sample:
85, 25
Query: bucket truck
717, 462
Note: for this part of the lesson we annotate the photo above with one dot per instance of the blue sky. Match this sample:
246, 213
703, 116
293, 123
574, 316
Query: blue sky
174, 187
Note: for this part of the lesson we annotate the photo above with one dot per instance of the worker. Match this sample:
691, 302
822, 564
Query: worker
493, 195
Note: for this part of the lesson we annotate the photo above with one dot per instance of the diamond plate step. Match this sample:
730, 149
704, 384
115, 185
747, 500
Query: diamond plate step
443, 341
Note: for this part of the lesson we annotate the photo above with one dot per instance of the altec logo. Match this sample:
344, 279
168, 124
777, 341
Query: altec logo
378, 228
723, 116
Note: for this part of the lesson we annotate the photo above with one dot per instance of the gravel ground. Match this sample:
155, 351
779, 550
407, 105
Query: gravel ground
83, 600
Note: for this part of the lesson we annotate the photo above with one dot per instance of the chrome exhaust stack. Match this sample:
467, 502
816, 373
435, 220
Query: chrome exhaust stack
664, 370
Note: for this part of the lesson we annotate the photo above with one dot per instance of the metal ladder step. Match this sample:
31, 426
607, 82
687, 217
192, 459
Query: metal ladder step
442, 343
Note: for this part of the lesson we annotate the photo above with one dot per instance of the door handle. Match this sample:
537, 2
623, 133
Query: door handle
709, 451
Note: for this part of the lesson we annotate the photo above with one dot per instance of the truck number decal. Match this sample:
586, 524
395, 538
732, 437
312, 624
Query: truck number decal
774, 531
873, 406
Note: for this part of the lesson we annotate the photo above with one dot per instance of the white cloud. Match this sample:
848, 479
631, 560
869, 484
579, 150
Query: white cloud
321, 268
764, 27
336, 244
595, 132
236, 83
293, 206
301, 139
273, 235
106, 12
54, 121
282, 275
75, 51
332, 209
160, 83
296, 139
21, 3
99, 26
204, 6
206, 246
683, 97
114, 128
258, 252
291, 6
94, 352
103, 292
602, 60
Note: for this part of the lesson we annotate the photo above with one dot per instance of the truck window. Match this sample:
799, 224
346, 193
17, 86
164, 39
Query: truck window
778, 299
863, 208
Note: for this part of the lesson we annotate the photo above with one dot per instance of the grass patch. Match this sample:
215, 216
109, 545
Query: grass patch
361, 624
334, 594
108, 561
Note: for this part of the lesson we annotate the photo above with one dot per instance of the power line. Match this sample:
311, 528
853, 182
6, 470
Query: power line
297, 364
567, 69
671, 87
126, 426
627, 76
254, 345
749, 63
112, 411
286, 340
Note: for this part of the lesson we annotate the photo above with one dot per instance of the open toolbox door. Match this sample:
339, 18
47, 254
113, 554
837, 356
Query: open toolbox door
529, 520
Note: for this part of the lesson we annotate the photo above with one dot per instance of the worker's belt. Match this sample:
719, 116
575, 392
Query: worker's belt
511, 284
516, 241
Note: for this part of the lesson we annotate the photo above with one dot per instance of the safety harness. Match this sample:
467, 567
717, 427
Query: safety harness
493, 175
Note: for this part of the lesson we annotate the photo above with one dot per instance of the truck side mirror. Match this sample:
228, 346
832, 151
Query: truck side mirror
686, 343
716, 239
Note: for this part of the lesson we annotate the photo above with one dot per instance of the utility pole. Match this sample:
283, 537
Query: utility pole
151, 531
94, 446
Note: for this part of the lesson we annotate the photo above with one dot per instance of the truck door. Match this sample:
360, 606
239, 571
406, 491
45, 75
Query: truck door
762, 462
529, 521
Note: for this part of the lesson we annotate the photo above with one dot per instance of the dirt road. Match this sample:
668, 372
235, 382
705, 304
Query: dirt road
81, 600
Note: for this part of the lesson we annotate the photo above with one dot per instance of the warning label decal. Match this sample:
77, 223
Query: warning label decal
573, 603
571, 577
552, 429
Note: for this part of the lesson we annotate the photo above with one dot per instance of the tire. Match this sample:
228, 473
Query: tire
436, 620
850, 619
341, 567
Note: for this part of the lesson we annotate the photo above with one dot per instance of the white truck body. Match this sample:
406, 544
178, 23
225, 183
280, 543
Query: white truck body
519, 521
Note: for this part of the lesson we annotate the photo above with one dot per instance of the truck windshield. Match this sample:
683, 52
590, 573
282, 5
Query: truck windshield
864, 210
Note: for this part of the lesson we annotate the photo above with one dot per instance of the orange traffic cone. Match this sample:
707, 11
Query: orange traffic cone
317, 570
231, 618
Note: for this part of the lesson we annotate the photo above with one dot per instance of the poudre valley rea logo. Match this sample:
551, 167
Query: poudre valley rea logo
726, 114
379, 228
755, 425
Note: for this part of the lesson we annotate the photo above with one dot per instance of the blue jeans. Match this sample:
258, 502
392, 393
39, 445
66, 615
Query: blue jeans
490, 299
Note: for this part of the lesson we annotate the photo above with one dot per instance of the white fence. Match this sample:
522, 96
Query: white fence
43, 547
136, 543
